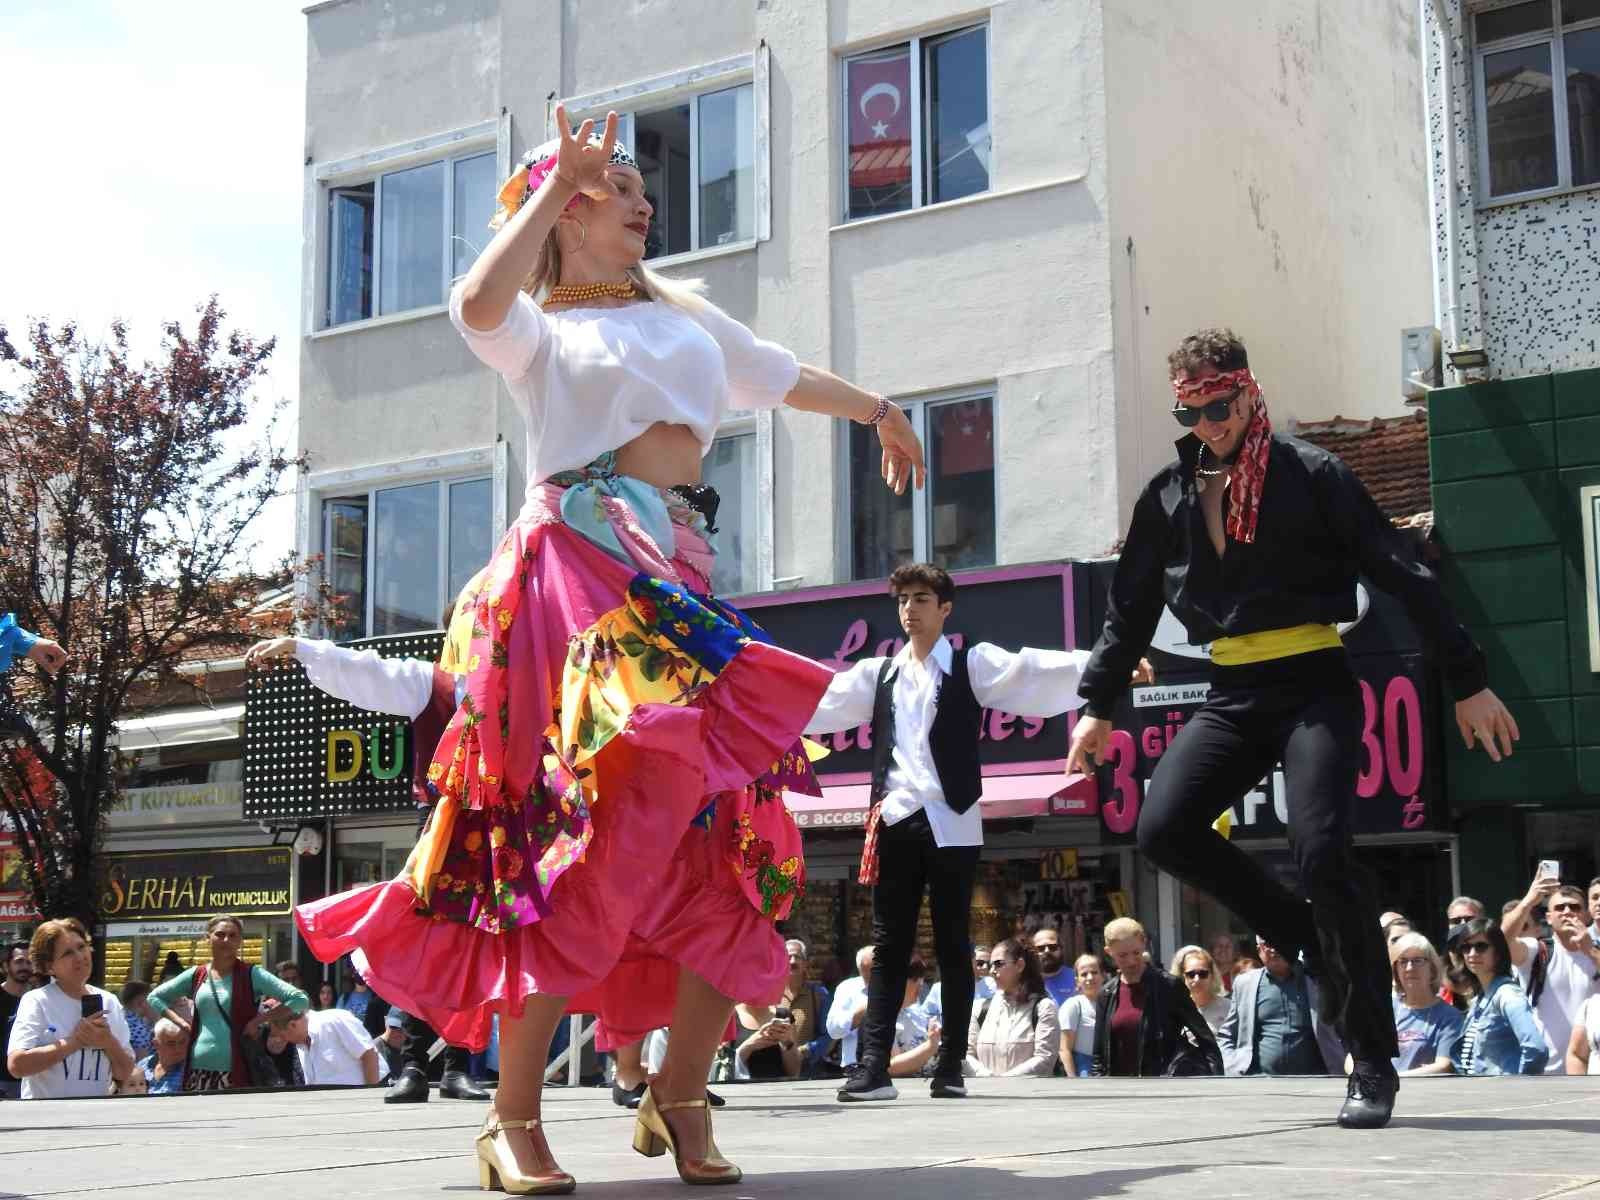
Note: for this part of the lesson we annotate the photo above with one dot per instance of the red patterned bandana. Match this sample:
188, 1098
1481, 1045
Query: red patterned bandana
1250, 464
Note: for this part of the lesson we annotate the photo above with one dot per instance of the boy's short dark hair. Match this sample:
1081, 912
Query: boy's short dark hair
1219, 348
936, 579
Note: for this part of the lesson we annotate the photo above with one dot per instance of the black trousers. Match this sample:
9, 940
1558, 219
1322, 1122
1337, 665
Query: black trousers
909, 863
1305, 711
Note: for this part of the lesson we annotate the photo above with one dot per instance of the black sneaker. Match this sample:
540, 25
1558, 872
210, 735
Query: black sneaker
948, 1086
1370, 1096
627, 1097
868, 1083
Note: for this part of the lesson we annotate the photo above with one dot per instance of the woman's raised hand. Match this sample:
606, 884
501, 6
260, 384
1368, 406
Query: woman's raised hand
580, 162
902, 452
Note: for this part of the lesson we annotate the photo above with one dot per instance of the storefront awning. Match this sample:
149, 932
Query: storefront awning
181, 728
1004, 797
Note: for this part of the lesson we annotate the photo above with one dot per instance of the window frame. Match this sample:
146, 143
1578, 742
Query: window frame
916, 409
919, 112
325, 179
758, 423
1555, 38
317, 489
687, 87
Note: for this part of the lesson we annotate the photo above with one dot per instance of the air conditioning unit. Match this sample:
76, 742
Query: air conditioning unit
1420, 367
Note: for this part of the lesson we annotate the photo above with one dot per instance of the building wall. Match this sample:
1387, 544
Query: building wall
1526, 280
1008, 288
1265, 174
1508, 460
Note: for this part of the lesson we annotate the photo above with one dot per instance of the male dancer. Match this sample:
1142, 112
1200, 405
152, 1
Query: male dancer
425, 695
1254, 540
924, 830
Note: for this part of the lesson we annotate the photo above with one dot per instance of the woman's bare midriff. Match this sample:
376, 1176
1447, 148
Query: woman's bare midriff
663, 455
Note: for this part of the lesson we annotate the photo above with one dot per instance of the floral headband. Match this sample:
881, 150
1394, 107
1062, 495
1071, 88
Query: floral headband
1214, 385
535, 168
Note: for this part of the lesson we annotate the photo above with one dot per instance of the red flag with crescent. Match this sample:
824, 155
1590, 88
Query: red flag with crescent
878, 89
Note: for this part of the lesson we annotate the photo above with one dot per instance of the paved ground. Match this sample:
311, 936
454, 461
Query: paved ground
1482, 1139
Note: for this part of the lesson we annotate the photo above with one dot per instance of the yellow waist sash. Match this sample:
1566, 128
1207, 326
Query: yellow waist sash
1273, 643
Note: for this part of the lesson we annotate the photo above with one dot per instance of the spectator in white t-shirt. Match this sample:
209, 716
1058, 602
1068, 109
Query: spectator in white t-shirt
1594, 908
1583, 1051
849, 1008
1560, 977
1077, 1017
55, 1049
982, 986
334, 1049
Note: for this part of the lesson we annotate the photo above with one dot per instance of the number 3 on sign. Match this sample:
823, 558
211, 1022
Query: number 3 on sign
1402, 731
1121, 811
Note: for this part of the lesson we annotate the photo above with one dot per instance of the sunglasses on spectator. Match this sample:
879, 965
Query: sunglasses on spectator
1201, 974
1476, 948
980, 964
1571, 906
1216, 411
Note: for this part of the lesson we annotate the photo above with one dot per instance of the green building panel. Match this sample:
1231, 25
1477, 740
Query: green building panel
1576, 393
1490, 405
1578, 441
1526, 660
1498, 512
1507, 450
1502, 587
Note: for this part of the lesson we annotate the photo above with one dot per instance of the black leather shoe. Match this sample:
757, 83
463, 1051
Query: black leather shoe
627, 1097
458, 1086
1370, 1100
714, 1100
410, 1088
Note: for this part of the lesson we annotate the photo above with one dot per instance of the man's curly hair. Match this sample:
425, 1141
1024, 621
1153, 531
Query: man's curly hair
1219, 348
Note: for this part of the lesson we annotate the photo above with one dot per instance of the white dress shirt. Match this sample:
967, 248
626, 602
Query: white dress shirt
850, 995
1029, 683
401, 687
982, 988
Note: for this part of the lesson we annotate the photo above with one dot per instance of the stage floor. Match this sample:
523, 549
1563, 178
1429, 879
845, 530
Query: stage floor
1480, 1139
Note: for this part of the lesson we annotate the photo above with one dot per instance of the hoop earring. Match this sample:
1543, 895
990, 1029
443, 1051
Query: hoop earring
582, 237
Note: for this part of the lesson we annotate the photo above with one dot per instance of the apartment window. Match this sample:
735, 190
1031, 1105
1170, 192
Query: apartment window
917, 122
395, 556
1535, 136
698, 159
396, 241
952, 521
732, 468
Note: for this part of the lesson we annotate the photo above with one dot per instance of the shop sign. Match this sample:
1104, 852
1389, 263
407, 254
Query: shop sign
1011, 607
182, 804
1396, 784
830, 818
1058, 864
16, 898
308, 756
197, 883
126, 929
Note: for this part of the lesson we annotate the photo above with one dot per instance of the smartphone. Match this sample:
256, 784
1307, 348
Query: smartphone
93, 1003
1549, 868
782, 1013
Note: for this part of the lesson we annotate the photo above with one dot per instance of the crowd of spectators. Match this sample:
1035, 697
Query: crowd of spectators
1517, 993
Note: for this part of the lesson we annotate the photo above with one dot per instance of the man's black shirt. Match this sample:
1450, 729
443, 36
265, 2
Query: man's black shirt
1316, 530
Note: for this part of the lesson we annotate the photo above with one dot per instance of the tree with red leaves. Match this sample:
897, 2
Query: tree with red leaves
126, 534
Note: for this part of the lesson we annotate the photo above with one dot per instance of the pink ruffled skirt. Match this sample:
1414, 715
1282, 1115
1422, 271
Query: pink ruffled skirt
609, 792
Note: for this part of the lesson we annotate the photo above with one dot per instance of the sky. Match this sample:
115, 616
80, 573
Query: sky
154, 153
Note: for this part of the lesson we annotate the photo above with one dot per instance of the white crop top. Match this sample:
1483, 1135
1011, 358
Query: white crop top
590, 380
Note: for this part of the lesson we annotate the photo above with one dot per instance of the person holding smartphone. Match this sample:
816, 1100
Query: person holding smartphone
70, 1039
1558, 976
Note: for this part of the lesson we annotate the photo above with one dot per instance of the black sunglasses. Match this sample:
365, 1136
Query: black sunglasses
1568, 907
1215, 411
1480, 947
1197, 974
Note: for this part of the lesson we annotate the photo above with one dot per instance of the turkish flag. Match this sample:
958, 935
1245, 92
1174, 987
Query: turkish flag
878, 90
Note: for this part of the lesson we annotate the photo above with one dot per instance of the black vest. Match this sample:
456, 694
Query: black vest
953, 739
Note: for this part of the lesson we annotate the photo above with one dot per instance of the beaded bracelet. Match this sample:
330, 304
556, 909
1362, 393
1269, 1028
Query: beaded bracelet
879, 412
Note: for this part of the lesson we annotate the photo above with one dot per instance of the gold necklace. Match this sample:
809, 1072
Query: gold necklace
577, 293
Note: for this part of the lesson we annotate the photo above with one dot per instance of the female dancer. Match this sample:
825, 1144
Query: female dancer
610, 834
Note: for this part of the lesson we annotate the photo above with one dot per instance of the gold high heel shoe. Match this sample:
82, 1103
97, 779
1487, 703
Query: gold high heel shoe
497, 1165
652, 1137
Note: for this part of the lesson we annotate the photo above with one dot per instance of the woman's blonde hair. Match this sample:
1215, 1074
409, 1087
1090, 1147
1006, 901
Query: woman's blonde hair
1416, 941
1211, 965
1122, 929
224, 920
